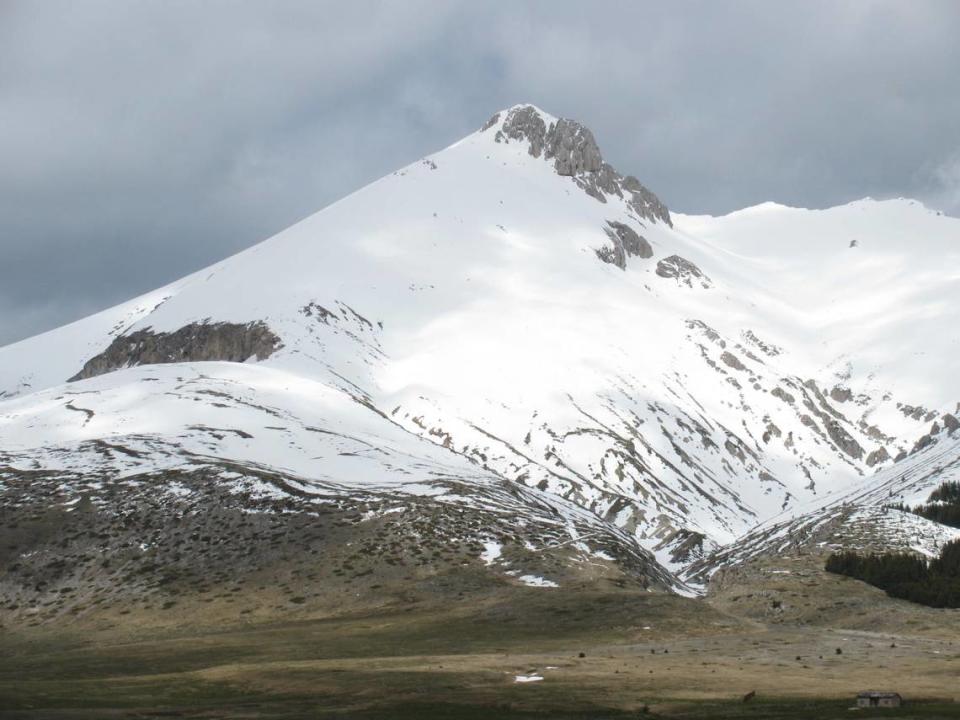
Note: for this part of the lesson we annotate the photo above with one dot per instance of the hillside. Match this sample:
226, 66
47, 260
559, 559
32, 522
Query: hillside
509, 327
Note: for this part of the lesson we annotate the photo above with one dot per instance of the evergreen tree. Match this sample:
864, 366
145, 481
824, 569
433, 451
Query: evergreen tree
906, 576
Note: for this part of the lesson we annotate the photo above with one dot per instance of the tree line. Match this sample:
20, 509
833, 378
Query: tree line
943, 505
902, 575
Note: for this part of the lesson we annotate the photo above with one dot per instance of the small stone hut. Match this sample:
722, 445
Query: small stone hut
872, 698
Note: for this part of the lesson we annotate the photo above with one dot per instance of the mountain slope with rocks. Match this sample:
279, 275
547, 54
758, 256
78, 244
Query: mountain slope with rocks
510, 342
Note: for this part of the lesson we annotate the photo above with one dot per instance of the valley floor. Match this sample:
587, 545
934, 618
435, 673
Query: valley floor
803, 641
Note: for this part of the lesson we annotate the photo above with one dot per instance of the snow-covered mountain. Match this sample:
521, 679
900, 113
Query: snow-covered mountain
512, 321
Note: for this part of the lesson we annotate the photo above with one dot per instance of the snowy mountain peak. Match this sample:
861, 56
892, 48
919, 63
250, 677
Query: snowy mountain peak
514, 318
902, 205
526, 111
569, 144
574, 152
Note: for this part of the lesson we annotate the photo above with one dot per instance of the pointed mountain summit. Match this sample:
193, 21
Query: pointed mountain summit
573, 151
507, 348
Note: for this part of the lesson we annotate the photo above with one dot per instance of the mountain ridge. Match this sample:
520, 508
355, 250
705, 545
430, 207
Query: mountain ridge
513, 312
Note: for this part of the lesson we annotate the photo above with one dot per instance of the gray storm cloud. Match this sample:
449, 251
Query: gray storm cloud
141, 141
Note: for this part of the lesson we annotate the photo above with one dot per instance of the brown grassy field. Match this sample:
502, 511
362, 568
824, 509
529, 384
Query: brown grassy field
803, 641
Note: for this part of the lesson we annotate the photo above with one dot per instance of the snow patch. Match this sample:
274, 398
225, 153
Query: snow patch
491, 552
527, 678
536, 581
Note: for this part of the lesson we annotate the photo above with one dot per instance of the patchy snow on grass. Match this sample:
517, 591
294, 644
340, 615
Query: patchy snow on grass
178, 489
491, 552
536, 581
528, 678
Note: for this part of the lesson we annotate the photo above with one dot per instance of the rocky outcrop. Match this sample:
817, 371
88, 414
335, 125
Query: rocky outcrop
782, 394
767, 349
644, 202
569, 144
633, 244
950, 426
574, 152
840, 394
951, 423
229, 342
494, 119
572, 148
683, 271
522, 123
625, 243
731, 360
877, 456
927, 440
612, 255
917, 412
711, 334
771, 431
832, 431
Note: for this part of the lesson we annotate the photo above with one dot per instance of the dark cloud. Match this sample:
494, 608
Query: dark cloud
142, 140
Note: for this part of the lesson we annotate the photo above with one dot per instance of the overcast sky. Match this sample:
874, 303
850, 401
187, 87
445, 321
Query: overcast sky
140, 141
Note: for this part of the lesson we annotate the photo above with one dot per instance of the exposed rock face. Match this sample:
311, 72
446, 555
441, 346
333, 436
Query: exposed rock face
494, 119
877, 457
230, 342
634, 245
842, 439
711, 334
915, 412
830, 419
569, 144
782, 394
771, 431
607, 182
612, 255
572, 148
575, 154
523, 123
644, 202
600, 184
767, 349
951, 423
841, 394
683, 271
626, 243
924, 442
731, 360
